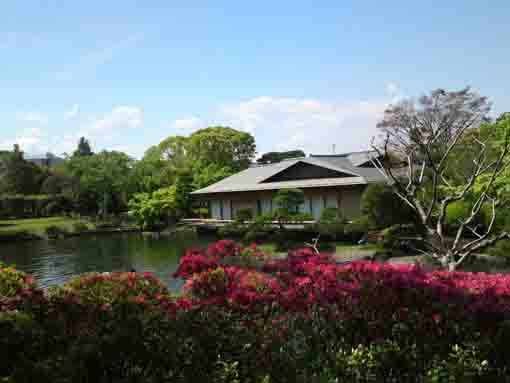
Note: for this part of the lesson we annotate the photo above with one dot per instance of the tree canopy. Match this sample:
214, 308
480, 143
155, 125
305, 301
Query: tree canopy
273, 157
429, 135
83, 149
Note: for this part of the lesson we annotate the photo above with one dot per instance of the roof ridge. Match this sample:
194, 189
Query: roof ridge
342, 154
256, 165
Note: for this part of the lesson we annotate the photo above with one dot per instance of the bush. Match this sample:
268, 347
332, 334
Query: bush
243, 215
232, 230
502, 250
461, 210
357, 229
384, 208
80, 227
303, 318
301, 217
331, 224
54, 231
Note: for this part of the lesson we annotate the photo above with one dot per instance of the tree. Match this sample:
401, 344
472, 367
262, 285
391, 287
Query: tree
273, 157
83, 149
161, 163
56, 183
289, 200
426, 134
19, 175
222, 146
209, 175
154, 210
183, 188
105, 181
384, 208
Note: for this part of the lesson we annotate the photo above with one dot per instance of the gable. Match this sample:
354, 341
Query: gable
304, 171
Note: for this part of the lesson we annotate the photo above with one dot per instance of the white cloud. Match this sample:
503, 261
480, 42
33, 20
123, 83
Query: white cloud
312, 125
190, 124
31, 141
72, 113
35, 117
121, 118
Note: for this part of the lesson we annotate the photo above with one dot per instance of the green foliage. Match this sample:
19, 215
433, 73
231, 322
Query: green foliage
105, 181
155, 210
463, 364
210, 174
288, 201
356, 229
233, 229
461, 210
301, 217
502, 250
55, 231
380, 361
223, 146
243, 215
384, 208
83, 149
19, 176
331, 224
22, 206
80, 227
183, 188
57, 183
273, 157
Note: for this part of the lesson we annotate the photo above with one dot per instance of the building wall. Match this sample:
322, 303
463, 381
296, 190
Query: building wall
347, 198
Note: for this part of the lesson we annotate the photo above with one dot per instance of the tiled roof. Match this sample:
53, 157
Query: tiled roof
251, 179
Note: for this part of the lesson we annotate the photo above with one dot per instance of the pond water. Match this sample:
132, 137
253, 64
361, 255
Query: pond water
56, 261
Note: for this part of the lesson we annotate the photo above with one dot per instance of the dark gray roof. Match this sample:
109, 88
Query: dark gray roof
252, 178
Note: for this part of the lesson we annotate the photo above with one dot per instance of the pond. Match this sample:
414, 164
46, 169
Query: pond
56, 261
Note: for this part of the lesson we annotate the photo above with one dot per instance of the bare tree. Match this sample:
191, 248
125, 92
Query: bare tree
426, 136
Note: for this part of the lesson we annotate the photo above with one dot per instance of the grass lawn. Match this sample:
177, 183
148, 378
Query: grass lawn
342, 252
37, 226
348, 252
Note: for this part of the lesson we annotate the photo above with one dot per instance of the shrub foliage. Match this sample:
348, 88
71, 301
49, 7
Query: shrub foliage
303, 318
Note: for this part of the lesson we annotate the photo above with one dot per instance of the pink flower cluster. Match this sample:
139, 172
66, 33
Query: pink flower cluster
377, 292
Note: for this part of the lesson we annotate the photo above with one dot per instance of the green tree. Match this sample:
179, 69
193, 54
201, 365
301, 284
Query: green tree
428, 134
19, 175
183, 188
273, 157
222, 146
83, 149
209, 175
288, 200
154, 210
384, 208
160, 164
106, 178
56, 183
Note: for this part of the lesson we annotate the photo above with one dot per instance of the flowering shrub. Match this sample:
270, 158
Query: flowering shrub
195, 262
223, 248
107, 289
302, 318
17, 289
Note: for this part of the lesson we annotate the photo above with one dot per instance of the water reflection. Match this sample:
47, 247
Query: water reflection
56, 261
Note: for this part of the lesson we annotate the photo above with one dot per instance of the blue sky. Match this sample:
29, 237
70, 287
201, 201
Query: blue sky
295, 74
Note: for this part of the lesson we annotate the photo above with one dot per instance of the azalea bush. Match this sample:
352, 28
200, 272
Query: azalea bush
303, 318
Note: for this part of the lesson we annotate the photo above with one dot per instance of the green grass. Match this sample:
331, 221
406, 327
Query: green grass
341, 251
37, 226
348, 252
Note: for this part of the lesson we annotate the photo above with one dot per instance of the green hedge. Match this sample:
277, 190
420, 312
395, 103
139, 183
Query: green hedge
21, 206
